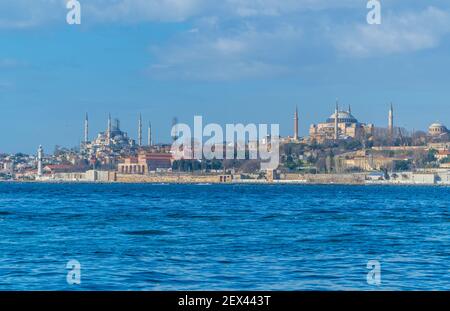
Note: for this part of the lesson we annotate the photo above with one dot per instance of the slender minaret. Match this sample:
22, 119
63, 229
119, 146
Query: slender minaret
391, 122
336, 122
40, 157
349, 109
109, 129
175, 128
296, 124
140, 130
86, 129
150, 142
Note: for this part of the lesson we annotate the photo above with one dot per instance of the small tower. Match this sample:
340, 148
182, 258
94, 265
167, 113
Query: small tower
150, 142
109, 134
336, 122
175, 128
40, 157
391, 122
296, 124
140, 131
86, 129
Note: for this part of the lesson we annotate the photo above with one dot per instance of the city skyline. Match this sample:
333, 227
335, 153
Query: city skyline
218, 62
88, 132
142, 140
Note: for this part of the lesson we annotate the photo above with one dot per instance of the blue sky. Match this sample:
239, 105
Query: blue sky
230, 61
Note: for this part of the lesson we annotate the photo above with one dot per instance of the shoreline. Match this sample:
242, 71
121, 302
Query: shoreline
249, 183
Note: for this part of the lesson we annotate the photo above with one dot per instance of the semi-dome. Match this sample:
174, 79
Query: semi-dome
343, 117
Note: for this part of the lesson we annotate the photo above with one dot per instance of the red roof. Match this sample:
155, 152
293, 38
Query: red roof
54, 168
58, 166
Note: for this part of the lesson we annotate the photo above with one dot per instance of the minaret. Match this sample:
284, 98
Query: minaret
349, 109
175, 128
296, 124
140, 130
336, 122
40, 157
109, 129
391, 122
150, 138
86, 129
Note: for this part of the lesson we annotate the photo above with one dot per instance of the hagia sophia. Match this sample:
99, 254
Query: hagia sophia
342, 125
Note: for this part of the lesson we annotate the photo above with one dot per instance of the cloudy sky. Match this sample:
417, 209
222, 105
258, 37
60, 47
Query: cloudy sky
228, 60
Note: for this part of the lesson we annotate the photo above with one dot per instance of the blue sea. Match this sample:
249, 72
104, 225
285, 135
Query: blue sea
223, 237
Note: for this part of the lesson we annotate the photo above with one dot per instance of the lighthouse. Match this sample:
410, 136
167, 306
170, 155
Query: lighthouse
40, 157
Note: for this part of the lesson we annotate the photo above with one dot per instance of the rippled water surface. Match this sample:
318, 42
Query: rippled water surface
211, 237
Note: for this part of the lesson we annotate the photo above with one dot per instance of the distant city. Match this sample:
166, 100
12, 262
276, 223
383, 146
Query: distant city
341, 149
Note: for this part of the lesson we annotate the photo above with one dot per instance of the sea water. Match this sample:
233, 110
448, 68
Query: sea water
223, 237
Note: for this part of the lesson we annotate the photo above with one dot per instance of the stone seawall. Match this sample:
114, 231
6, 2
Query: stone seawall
179, 179
216, 179
336, 179
356, 179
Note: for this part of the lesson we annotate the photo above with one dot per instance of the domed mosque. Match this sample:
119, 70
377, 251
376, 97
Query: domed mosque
340, 125
113, 138
343, 117
437, 129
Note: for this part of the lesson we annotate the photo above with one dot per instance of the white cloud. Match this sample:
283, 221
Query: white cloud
31, 13
27, 13
21, 14
227, 46
238, 53
232, 39
397, 34
267, 47
180, 10
247, 8
142, 10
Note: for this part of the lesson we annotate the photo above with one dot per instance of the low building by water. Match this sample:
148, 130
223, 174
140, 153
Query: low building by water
146, 162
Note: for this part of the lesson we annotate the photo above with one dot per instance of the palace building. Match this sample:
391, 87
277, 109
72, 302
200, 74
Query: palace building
145, 163
340, 125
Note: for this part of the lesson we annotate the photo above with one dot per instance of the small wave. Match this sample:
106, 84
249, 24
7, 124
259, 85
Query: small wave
5, 213
270, 217
146, 232
26, 233
74, 216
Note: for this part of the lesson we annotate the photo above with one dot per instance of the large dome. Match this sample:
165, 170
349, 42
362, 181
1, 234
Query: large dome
437, 125
343, 117
437, 129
